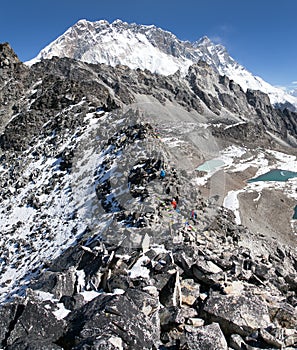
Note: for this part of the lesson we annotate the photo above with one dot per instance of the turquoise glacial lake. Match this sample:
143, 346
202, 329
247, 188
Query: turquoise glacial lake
275, 175
210, 165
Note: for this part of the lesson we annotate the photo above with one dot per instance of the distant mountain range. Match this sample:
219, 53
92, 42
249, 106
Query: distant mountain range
159, 51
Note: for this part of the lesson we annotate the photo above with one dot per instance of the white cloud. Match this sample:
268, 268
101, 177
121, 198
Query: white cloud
216, 39
223, 30
226, 28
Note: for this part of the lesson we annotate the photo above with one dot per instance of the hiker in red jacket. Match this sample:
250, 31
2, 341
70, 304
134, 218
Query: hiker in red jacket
174, 204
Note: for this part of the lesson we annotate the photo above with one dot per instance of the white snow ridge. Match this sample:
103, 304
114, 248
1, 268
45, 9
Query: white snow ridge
149, 47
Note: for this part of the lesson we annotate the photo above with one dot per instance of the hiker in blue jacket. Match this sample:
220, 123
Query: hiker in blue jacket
162, 174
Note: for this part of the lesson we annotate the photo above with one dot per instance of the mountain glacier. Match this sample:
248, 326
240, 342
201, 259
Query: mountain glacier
159, 51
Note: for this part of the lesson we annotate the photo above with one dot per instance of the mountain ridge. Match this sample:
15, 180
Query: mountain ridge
150, 47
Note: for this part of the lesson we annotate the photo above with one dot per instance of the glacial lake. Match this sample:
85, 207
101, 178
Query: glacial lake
275, 175
210, 165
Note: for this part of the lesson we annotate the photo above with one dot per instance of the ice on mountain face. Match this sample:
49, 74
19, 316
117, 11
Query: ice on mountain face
149, 47
293, 92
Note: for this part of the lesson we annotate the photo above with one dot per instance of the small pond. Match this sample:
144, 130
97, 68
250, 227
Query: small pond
210, 165
275, 175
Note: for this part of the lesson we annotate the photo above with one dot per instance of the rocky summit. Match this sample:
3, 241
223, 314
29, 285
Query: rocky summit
130, 218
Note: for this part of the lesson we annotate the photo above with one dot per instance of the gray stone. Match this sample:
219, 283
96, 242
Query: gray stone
284, 314
207, 272
236, 342
8, 314
240, 314
110, 316
190, 291
35, 323
171, 316
206, 337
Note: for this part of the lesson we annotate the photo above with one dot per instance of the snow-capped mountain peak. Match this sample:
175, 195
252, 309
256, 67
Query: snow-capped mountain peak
203, 41
152, 48
116, 43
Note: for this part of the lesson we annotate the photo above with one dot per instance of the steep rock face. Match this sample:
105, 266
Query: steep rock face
219, 92
99, 251
8, 56
12, 83
290, 121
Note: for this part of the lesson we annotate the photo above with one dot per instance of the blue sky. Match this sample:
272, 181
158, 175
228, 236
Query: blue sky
259, 34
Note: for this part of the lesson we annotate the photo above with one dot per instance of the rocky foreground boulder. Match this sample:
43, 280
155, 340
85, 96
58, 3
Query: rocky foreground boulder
209, 292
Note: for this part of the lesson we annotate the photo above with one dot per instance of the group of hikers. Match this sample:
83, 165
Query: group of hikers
174, 202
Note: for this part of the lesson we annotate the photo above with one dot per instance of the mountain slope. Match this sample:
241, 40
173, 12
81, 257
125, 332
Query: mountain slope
94, 251
149, 47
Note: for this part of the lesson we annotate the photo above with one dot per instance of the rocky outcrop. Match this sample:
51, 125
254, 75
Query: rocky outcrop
8, 58
98, 297
13, 85
249, 132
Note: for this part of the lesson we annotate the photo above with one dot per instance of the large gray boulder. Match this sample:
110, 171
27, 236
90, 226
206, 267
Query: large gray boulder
241, 314
112, 316
36, 325
206, 337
